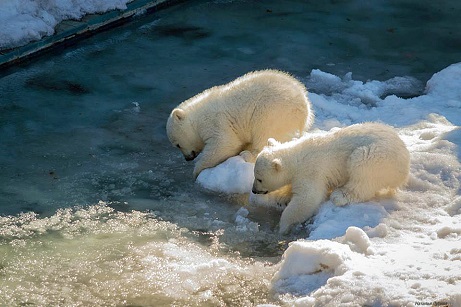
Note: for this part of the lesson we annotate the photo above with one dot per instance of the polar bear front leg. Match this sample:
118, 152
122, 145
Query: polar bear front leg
303, 205
248, 156
278, 199
215, 152
282, 196
339, 197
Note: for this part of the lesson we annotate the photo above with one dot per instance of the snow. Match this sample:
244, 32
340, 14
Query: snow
332, 221
396, 250
358, 240
304, 257
24, 21
222, 178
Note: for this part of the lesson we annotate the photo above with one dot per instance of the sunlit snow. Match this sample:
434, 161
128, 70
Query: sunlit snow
28, 20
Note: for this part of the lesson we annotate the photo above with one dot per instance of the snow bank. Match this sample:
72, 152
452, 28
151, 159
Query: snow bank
24, 21
401, 250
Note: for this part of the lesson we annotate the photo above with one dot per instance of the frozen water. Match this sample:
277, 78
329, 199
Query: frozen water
97, 207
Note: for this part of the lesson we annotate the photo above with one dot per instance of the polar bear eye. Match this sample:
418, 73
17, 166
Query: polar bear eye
259, 180
177, 145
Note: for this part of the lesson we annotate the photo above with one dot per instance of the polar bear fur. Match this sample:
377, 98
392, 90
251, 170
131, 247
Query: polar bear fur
355, 163
239, 117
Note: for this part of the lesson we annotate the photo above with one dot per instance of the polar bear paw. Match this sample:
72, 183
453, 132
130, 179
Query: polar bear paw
273, 200
248, 156
339, 198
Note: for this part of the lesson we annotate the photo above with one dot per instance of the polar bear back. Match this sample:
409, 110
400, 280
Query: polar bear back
256, 106
376, 147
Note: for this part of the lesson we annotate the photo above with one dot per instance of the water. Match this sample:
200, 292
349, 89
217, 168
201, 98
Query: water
99, 256
98, 208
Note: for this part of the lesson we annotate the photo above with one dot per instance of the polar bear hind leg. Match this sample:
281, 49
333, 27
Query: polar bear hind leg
370, 170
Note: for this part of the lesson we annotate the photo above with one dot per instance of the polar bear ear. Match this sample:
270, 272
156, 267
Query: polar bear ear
272, 142
276, 164
178, 114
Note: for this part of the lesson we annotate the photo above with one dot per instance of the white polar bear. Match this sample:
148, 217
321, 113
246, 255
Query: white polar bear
239, 117
355, 163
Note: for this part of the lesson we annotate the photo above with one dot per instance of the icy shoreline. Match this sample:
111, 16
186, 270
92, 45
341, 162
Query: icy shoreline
24, 21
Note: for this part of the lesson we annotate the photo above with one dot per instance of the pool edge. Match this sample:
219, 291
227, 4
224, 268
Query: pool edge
87, 26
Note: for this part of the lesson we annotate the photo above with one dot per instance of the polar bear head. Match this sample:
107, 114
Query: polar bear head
269, 171
182, 134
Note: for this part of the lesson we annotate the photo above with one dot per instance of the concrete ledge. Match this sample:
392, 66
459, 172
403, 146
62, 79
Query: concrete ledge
69, 31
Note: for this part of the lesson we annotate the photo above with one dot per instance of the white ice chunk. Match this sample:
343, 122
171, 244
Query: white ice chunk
448, 231
358, 240
455, 206
324, 82
379, 231
234, 175
242, 212
446, 83
311, 257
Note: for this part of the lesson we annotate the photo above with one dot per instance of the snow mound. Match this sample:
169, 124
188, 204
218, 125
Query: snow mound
310, 257
234, 175
395, 250
308, 265
358, 240
445, 84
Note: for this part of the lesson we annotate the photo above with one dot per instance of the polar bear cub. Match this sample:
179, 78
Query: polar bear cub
355, 163
225, 120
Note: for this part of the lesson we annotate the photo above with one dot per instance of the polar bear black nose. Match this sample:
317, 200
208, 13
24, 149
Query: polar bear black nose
191, 156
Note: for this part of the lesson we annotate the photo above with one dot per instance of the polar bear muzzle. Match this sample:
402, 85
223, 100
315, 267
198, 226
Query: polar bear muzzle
258, 192
255, 190
191, 156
